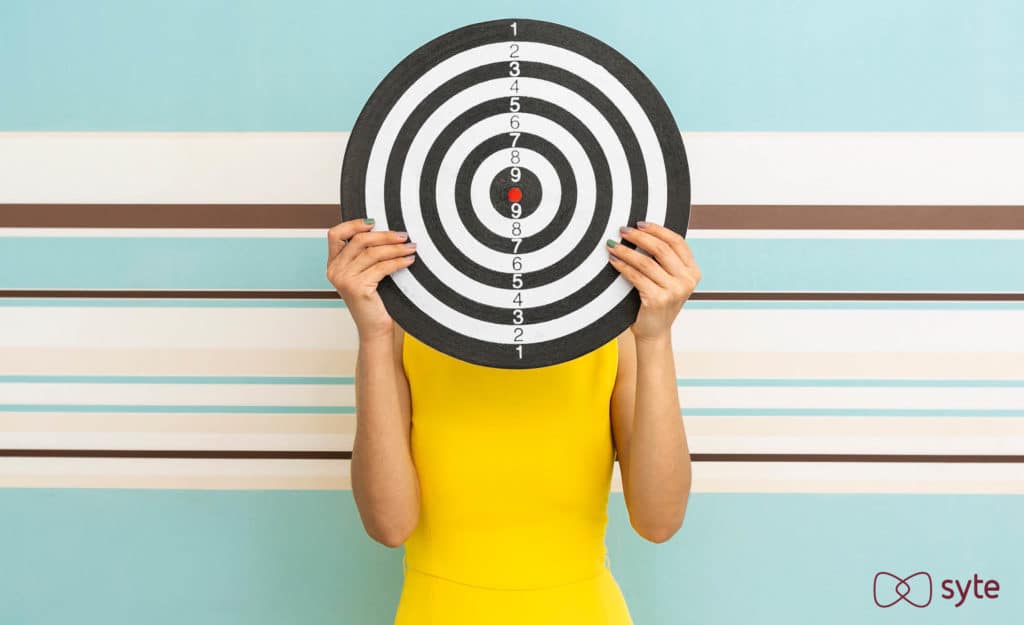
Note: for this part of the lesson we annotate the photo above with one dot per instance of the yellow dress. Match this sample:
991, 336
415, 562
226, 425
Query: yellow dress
515, 468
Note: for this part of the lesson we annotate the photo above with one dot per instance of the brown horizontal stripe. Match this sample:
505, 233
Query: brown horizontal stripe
698, 295
702, 216
169, 215
347, 455
176, 453
913, 458
848, 217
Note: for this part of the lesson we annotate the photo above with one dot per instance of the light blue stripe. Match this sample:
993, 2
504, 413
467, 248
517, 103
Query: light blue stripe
886, 265
848, 412
186, 409
74, 302
162, 263
175, 379
848, 382
265, 557
348, 380
944, 65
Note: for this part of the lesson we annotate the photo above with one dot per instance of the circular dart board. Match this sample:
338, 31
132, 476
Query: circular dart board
510, 151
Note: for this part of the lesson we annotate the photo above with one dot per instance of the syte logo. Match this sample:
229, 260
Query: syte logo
917, 589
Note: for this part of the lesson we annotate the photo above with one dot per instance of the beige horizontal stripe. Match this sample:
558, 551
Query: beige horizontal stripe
341, 362
695, 329
899, 427
174, 473
760, 477
692, 398
249, 423
856, 435
168, 361
180, 440
719, 434
164, 394
855, 365
844, 477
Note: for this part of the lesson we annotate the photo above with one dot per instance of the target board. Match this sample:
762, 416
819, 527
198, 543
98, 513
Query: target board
510, 151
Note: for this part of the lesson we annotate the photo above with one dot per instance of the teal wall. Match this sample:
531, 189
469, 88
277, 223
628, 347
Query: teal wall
270, 557
122, 556
309, 65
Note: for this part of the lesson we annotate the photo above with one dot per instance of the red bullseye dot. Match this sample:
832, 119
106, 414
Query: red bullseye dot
515, 194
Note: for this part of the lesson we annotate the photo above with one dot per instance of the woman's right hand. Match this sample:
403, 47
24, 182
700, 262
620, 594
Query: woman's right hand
357, 260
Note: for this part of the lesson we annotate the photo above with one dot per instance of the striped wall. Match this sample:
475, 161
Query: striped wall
176, 374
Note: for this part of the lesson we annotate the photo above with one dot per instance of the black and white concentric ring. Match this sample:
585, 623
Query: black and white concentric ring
431, 146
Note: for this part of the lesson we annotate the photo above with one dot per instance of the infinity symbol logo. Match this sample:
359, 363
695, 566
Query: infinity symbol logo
904, 587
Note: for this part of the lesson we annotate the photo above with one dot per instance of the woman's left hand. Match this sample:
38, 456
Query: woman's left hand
665, 279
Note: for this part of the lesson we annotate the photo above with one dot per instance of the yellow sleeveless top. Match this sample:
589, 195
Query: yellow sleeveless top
515, 468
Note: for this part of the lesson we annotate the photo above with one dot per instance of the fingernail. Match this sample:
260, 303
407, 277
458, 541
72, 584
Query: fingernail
402, 235
624, 229
612, 242
368, 220
641, 224
410, 244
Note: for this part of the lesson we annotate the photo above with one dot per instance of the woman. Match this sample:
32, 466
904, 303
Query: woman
496, 481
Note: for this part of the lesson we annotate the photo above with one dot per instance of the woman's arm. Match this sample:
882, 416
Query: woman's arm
650, 440
384, 481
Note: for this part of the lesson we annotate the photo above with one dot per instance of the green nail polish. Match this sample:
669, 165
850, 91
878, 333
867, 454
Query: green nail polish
612, 242
367, 220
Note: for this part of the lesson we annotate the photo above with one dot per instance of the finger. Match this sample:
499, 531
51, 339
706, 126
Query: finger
673, 238
377, 271
643, 284
364, 240
372, 255
661, 249
338, 234
643, 263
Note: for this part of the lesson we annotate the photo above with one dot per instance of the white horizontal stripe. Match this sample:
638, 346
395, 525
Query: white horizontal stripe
170, 233
991, 445
703, 330
936, 443
181, 394
176, 441
178, 328
851, 397
848, 477
856, 167
305, 167
896, 331
741, 477
172, 167
855, 435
